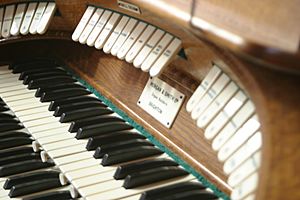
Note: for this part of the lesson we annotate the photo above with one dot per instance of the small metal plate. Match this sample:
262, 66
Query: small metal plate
161, 101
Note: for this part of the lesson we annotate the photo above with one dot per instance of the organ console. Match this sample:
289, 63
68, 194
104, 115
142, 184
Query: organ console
129, 99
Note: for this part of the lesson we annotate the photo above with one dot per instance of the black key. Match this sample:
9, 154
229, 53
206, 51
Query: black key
82, 113
98, 129
56, 103
129, 154
34, 84
74, 106
48, 88
9, 134
4, 108
39, 70
59, 195
8, 120
34, 186
25, 67
171, 189
95, 142
152, 175
15, 151
14, 142
19, 158
40, 75
63, 93
124, 170
115, 146
24, 166
7, 115
188, 195
24, 178
10, 126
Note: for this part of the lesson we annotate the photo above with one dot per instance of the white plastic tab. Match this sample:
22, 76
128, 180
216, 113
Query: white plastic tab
7, 21
237, 121
242, 154
156, 52
90, 26
83, 22
131, 40
139, 44
18, 18
215, 107
207, 82
246, 131
245, 188
165, 57
109, 27
222, 118
123, 36
37, 17
46, 19
98, 28
1, 19
28, 18
210, 95
115, 34
147, 48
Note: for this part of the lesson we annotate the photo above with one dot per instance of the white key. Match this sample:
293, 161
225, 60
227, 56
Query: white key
98, 28
12, 88
75, 158
54, 138
115, 34
46, 18
247, 130
123, 36
24, 30
222, 118
77, 165
121, 192
83, 22
206, 83
8, 78
22, 106
238, 120
97, 169
156, 52
28, 95
242, 154
1, 20
139, 44
165, 57
143, 54
243, 171
43, 109
13, 92
210, 95
90, 26
38, 122
215, 107
37, 17
18, 18
131, 40
110, 25
49, 126
49, 132
68, 150
245, 188
7, 21
63, 144
6, 85
4, 68
36, 116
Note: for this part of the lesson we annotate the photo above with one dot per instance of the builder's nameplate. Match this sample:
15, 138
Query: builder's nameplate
161, 101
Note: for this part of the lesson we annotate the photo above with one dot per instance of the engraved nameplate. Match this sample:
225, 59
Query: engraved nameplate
161, 101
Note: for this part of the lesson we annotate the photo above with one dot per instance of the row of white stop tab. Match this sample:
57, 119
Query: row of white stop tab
25, 18
228, 117
142, 44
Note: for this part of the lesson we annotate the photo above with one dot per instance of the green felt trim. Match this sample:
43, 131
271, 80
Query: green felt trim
138, 127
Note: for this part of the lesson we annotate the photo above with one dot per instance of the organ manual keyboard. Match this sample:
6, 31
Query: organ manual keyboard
215, 116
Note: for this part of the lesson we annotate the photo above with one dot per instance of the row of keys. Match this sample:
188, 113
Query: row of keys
228, 118
25, 18
137, 42
96, 151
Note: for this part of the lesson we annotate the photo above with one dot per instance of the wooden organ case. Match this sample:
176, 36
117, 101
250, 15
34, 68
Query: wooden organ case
267, 71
